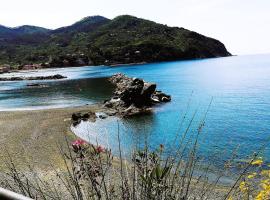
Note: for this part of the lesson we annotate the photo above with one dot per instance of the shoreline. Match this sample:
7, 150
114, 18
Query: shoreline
31, 109
61, 67
34, 135
112, 65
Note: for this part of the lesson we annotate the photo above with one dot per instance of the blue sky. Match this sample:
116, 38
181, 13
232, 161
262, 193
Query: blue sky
242, 25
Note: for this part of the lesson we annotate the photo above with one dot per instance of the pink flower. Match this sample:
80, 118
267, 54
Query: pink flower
78, 143
100, 149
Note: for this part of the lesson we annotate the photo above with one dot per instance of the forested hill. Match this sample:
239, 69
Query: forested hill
97, 40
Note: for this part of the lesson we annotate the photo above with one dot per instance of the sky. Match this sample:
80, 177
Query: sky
242, 25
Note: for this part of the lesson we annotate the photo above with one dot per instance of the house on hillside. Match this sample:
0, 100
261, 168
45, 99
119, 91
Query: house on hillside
4, 69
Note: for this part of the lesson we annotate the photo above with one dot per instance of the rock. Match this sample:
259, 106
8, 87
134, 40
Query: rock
161, 97
148, 90
57, 76
76, 123
133, 96
165, 99
132, 93
54, 77
85, 116
111, 112
78, 117
36, 85
101, 115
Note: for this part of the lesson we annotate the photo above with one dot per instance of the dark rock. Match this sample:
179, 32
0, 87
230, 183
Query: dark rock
111, 112
76, 116
36, 85
76, 123
101, 115
57, 76
148, 90
54, 77
161, 97
133, 96
85, 116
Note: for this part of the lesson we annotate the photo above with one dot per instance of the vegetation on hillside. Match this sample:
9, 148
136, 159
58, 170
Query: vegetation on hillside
125, 39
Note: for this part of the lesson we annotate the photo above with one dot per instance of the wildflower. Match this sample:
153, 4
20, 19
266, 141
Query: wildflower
265, 184
265, 173
100, 149
78, 143
230, 198
264, 194
243, 187
258, 161
250, 176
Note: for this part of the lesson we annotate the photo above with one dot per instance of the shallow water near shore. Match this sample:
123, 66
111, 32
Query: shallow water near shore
237, 86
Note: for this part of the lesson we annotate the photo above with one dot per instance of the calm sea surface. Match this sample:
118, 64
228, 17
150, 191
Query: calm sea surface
239, 115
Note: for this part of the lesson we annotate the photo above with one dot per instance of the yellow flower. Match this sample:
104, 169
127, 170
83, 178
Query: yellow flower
264, 194
258, 161
265, 173
250, 176
230, 198
265, 184
243, 187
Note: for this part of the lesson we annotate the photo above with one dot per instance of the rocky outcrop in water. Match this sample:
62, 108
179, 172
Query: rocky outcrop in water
21, 78
133, 96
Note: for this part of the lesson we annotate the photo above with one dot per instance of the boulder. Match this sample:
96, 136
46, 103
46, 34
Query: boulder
78, 117
101, 115
57, 76
161, 97
148, 90
133, 96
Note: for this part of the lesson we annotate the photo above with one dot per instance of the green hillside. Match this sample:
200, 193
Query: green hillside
97, 40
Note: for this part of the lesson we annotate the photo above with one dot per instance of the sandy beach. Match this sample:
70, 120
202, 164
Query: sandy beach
34, 136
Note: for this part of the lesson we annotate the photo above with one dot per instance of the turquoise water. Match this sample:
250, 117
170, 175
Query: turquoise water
239, 114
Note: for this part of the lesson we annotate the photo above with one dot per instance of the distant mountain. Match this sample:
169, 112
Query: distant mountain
6, 32
87, 24
26, 29
97, 40
20, 30
22, 35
